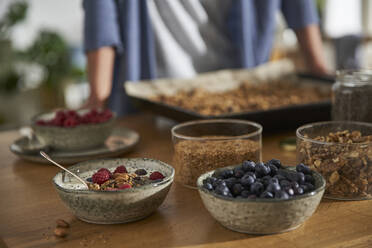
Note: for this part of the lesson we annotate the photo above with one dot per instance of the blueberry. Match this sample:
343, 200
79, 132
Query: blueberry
309, 179
300, 177
262, 170
275, 162
218, 182
308, 187
273, 169
89, 179
257, 188
266, 180
298, 191
283, 173
247, 180
245, 193
252, 174
289, 191
222, 190
303, 168
141, 172
237, 189
248, 165
238, 172
227, 173
273, 187
285, 183
292, 176
252, 197
279, 177
274, 180
267, 194
230, 182
208, 186
295, 185
281, 194
228, 194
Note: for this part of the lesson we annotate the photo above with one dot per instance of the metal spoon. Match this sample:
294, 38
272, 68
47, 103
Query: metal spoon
46, 156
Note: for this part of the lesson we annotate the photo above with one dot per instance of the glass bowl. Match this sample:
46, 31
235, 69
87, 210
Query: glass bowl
342, 152
201, 146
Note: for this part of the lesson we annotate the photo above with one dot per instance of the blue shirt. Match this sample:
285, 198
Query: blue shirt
125, 25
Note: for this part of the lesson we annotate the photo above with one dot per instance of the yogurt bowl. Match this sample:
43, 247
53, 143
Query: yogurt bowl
111, 207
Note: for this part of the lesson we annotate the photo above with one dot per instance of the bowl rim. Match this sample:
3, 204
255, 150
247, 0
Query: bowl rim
132, 190
302, 128
232, 121
36, 117
316, 191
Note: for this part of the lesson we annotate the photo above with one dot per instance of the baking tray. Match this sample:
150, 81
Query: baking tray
288, 117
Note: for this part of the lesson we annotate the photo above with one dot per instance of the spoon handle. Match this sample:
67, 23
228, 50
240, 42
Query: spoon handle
63, 168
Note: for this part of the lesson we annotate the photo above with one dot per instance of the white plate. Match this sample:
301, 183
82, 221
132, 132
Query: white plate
120, 141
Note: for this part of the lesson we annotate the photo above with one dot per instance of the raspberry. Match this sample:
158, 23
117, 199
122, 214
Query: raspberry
121, 169
41, 123
100, 177
156, 175
70, 122
105, 170
125, 186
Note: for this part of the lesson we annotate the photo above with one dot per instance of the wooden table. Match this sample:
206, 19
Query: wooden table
30, 206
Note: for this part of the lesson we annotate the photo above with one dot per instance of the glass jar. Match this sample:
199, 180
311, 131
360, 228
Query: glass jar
352, 96
342, 152
201, 146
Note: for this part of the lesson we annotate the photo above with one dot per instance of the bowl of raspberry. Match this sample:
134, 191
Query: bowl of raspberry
261, 198
74, 130
120, 190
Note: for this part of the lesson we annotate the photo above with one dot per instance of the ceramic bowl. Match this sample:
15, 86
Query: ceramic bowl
81, 137
110, 207
261, 216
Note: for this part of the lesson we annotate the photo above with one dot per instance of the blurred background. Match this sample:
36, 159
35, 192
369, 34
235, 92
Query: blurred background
42, 62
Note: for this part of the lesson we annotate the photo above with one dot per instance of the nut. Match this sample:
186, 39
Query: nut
62, 223
60, 232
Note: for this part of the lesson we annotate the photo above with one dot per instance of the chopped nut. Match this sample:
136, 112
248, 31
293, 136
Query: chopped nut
60, 232
334, 177
62, 223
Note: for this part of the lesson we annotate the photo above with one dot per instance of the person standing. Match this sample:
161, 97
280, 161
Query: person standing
146, 39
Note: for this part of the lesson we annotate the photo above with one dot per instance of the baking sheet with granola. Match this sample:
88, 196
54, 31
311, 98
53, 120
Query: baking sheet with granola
272, 94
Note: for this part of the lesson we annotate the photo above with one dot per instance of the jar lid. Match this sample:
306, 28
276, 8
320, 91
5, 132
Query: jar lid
358, 77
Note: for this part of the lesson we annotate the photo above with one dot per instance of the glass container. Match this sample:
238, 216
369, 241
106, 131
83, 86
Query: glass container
342, 152
352, 96
205, 145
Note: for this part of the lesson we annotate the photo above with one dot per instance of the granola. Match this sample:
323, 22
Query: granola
195, 157
247, 97
345, 160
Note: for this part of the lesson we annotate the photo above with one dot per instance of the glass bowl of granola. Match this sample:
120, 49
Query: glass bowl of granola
342, 152
205, 145
120, 190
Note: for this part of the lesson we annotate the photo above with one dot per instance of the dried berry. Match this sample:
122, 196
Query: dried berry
121, 169
156, 175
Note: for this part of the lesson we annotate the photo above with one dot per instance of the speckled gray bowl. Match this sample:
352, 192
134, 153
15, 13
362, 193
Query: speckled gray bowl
111, 207
261, 216
81, 137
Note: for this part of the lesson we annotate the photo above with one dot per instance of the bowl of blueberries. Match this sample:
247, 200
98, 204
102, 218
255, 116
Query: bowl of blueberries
261, 198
